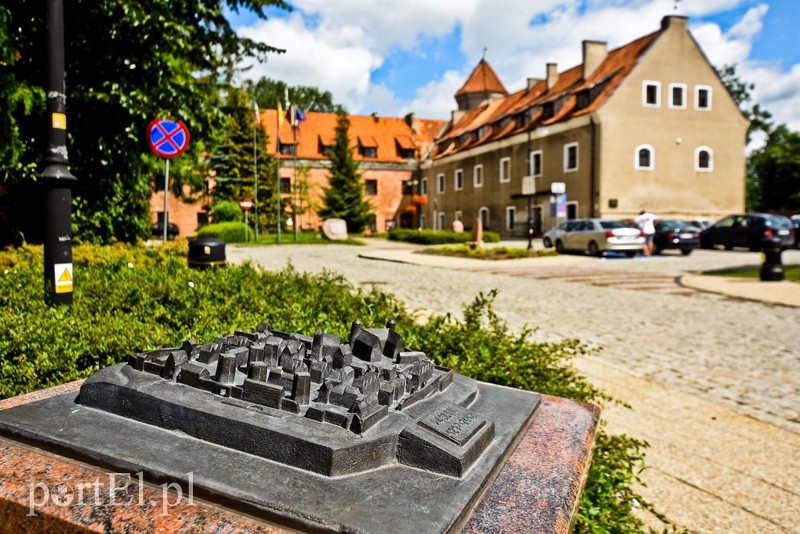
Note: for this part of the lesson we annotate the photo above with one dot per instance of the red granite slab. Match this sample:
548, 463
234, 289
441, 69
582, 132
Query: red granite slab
537, 490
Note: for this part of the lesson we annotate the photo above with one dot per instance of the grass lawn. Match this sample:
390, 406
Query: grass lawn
790, 272
495, 253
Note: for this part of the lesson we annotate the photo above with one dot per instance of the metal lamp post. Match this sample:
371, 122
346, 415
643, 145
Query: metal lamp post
57, 179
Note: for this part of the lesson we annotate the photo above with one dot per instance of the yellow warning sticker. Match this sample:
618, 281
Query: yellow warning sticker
63, 273
59, 121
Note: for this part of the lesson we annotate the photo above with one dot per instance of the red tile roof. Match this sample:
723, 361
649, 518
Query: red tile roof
482, 79
526, 109
388, 134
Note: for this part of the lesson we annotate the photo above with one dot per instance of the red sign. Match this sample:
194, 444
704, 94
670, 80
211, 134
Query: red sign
167, 138
246, 204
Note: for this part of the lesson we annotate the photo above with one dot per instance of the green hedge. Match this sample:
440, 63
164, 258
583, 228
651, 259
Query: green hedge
439, 237
130, 299
230, 232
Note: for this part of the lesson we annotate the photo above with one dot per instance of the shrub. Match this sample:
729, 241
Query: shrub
226, 211
130, 299
496, 253
439, 237
230, 232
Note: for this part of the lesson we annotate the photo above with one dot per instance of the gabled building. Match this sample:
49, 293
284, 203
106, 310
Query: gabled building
388, 151
647, 125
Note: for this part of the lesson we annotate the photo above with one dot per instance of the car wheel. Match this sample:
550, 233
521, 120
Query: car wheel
656, 251
728, 247
630, 253
547, 243
686, 251
559, 246
705, 243
593, 250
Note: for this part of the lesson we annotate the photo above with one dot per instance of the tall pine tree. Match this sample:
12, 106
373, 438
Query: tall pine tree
344, 198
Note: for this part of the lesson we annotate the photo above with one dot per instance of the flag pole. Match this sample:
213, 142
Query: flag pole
278, 167
257, 122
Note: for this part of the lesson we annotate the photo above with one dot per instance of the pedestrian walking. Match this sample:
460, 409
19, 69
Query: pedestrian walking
646, 222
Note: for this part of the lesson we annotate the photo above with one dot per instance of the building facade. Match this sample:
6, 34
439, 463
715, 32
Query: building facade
387, 149
647, 125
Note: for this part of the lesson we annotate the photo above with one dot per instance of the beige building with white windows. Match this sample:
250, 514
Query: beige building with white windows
647, 125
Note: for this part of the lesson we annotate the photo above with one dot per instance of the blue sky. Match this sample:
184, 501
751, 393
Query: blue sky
394, 57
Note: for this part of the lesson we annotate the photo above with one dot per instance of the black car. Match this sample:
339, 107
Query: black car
172, 230
676, 234
748, 230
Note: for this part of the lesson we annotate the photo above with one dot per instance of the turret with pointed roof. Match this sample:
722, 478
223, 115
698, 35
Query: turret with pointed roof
481, 87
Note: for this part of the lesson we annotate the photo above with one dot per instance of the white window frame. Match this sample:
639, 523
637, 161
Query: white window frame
697, 166
477, 176
697, 89
442, 220
532, 167
458, 173
566, 157
511, 213
423, 186
636, 164
657, 85
682, 87
505, 177
488, 213
440, 183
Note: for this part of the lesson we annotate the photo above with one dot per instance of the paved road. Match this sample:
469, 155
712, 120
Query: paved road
735, 351
713, 382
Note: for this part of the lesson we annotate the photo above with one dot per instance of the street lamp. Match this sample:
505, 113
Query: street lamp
56, 178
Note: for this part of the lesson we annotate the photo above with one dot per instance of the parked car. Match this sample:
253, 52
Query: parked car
796, 224
747, 230
677, 234
595, 237
172, 230
701, 222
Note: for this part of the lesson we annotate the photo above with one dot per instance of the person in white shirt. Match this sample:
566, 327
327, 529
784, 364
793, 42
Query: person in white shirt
646, 222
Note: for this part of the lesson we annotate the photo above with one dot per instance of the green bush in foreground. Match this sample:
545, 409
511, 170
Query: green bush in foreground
130, 299
439, 237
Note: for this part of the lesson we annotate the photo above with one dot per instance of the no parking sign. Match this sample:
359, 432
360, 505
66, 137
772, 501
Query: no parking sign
167, 138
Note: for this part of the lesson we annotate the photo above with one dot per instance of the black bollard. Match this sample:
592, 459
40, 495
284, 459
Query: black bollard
771, 263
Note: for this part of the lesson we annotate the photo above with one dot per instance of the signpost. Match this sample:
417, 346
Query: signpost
168, 139
246, 204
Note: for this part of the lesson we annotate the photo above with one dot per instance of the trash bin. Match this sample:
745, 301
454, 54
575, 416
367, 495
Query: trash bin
771, 263
206, 252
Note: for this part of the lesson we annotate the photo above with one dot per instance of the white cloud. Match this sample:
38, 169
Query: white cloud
336, 46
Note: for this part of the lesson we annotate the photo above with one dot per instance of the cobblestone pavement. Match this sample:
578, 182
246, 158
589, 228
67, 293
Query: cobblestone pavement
713, 383
738, 352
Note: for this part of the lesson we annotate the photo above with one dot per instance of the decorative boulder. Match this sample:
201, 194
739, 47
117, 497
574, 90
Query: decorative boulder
335, 229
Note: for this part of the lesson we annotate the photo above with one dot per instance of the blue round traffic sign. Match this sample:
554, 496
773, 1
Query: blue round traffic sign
167, 138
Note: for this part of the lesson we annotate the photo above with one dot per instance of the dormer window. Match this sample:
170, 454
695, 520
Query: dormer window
405, 147
287, 149
367, 146
483, 131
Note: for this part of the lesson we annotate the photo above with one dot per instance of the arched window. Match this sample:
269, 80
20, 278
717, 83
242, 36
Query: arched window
644, 158
704, 159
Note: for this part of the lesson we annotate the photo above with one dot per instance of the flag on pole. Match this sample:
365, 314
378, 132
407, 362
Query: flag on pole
280, 115
300, 115
258, 116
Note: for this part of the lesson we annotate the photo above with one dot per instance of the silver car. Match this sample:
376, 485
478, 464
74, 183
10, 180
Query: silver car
595, 237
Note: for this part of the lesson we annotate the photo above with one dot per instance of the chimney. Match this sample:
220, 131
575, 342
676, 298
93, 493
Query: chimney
410, 120
594, 53
532, 82
552, 75
676, 22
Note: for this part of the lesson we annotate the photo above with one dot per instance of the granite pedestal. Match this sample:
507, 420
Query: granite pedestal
535, 488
